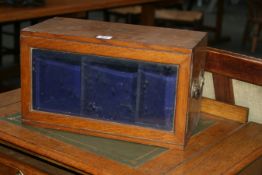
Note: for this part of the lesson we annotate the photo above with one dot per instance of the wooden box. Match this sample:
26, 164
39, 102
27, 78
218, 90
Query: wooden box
119, 81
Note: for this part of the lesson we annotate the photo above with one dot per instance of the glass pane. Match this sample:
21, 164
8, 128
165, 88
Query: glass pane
105, 88
56, 82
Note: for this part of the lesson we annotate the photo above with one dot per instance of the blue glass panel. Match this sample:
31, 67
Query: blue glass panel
109, 91
157, 96
56, 82
104, 88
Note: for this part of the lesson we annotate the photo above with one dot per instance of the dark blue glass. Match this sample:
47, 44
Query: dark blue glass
56, 82
109, 90
158, 89
118, 90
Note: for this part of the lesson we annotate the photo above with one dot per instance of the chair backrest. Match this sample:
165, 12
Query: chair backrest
225, 66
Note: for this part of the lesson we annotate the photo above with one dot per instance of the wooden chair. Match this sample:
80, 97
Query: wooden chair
225, 66
254, 23
162, 15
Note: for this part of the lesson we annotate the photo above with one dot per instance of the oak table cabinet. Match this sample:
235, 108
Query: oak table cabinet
127, 82
221, 146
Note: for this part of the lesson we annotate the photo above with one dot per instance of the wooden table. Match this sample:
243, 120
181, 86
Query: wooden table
223, 147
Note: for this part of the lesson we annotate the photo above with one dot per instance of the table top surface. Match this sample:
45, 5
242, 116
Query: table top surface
224, 147
60, 7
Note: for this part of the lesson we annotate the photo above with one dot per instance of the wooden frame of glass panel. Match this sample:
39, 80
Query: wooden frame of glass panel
189, 61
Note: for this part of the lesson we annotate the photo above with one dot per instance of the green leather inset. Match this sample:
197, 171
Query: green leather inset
131, 154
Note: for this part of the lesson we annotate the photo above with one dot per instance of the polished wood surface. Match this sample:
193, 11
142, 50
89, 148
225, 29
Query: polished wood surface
233, 65
212, 162
226, 66
4, 169
223, 88
227, 147
123, 35
231, 112
253, 169
29, 164
11, 165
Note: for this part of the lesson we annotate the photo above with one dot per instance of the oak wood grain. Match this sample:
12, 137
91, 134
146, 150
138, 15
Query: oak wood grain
231, 112
198, 144
233, 65
54, 149
123, 35
5, 169
10, 97
223, 87
255, 168
10, 109
226, 66
219, 159
29, 163
11, 166
219, 144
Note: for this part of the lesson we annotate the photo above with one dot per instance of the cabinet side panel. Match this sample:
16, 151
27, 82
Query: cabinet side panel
196, 86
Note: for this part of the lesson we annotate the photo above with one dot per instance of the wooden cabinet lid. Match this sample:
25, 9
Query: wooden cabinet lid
124, 35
